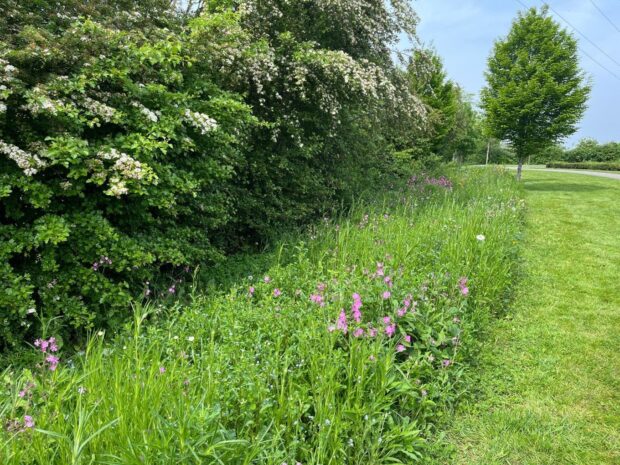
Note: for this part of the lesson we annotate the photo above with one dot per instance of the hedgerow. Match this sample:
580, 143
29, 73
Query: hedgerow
589, 150
607, 166
136, 144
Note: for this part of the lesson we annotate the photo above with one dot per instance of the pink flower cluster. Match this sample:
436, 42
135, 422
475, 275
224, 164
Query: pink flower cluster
441, 181
355, 308
390, 326
407, 304
342, 324
28, 421
48, 346
463, 286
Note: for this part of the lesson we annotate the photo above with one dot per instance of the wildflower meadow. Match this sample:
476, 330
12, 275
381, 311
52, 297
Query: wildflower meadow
351, 346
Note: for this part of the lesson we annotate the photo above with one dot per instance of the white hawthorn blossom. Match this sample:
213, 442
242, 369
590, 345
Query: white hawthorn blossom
200, 121
148, 113
29, 163
100, 109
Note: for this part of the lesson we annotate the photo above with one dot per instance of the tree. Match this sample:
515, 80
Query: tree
536, 92
429, 81
464, 134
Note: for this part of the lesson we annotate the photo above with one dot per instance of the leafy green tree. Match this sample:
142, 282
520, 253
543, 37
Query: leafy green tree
536, 92
465, 133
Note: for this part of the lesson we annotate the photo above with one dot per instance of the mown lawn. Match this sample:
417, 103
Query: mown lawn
550, 384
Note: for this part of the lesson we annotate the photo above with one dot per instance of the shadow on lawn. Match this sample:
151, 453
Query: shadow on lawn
556, 186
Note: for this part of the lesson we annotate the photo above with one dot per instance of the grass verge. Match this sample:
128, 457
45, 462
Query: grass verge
550, 392
350, 349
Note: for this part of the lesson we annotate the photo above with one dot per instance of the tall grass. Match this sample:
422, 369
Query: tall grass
247, 376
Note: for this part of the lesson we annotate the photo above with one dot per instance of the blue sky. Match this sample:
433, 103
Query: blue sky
463, 32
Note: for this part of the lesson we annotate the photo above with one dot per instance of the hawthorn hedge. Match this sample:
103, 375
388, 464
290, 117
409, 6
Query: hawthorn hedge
136, 145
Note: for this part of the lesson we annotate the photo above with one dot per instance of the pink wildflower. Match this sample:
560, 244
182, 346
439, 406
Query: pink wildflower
53, 361
28, 421
355, 308
22, 394
400, 348
42, 344
251, 291
380, 271
321, 287
342, 324
277, 292
463, 286
387, 320
162, 370
401, 311
408, 339
386, 295
372, 332
172, 289
359, 332
390, 330
446, 363
317, 299
267, 279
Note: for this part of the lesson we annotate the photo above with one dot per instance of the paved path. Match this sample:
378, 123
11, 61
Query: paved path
562, 170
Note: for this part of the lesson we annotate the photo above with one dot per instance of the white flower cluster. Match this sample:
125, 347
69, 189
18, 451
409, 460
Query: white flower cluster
123, 169
200, 121
117, 187
6, 70
39, 102
150, 114
6, 75
124, 165
105, 112
28, 162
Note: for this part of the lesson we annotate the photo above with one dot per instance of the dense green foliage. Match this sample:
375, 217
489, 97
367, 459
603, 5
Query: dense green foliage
607, 166
348, 348
587, 150
536, 92
453, 129
592, 151
138, 142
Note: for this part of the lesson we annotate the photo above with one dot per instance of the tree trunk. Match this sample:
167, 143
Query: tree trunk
519, 168
488, 149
